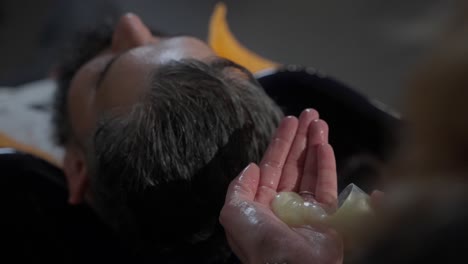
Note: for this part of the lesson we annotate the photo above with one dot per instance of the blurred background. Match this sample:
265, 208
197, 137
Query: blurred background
369, 44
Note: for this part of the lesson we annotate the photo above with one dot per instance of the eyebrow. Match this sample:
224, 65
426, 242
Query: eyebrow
225, 63
102, 75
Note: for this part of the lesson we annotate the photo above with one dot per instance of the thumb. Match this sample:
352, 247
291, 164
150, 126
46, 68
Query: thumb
245, 185
241, 190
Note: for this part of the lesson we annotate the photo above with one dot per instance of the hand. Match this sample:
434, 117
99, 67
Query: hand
299, 158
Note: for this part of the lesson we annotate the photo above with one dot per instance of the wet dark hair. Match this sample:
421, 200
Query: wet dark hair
160, 171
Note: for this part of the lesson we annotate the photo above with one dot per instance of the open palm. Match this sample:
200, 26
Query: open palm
298, 159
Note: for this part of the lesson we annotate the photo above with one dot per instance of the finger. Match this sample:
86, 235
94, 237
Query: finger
326, 191
244, 187
239, 208
273, 161
240, 194
317, 135
294, 165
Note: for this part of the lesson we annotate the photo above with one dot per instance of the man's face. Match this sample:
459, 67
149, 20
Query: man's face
119, 75
114, 80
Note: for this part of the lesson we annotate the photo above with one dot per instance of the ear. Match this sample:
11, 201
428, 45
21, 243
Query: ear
76, 172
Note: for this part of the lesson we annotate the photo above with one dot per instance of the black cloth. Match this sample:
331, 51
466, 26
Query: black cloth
39, 226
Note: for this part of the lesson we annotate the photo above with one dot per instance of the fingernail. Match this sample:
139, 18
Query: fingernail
287, 121
309, 113
310, 110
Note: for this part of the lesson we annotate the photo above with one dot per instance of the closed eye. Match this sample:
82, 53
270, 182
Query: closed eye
102, 75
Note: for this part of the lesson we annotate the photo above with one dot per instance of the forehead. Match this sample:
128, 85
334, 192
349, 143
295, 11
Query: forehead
130, 76
171, 49
126, 80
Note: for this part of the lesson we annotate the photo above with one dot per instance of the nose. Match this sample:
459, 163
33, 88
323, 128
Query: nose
130, 32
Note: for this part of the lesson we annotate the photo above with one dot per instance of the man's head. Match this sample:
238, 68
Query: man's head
157, 128
110, 69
